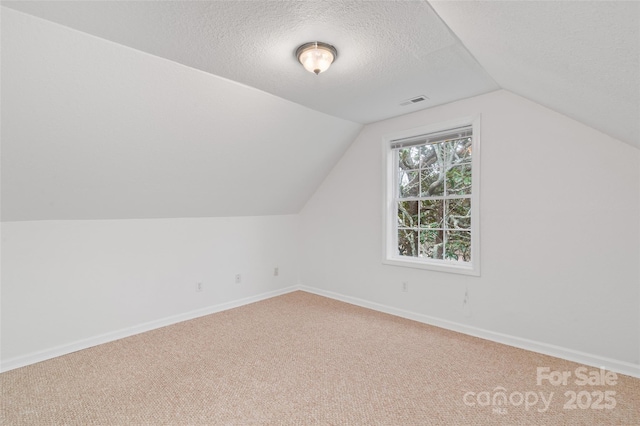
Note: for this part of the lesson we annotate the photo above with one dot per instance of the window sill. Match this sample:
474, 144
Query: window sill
439, 266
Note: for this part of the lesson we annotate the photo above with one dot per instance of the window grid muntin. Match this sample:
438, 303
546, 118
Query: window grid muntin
445, 229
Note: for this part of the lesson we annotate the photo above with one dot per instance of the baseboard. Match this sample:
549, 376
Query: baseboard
57, 351
584, 358
518, 342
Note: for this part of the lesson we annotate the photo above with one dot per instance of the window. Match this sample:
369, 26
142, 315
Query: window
432, 193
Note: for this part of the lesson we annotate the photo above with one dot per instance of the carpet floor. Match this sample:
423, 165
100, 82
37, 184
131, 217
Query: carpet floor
302, 359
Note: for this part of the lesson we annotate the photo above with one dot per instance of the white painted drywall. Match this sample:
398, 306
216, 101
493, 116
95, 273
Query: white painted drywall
579, 58
559, 231
387, 51
95, 130
66, 281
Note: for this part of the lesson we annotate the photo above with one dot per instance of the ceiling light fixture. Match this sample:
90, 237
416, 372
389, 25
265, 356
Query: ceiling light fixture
316, 57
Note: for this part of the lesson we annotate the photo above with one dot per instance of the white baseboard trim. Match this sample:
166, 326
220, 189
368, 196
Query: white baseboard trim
518, 342
584, 358
32, 358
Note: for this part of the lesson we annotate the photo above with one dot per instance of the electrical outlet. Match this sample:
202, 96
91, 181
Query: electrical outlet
405, 286
466, 304
199, 287
276, 272
238, 278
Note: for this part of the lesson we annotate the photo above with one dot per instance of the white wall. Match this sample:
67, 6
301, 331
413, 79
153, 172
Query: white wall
95, 130
75, 105
559, 232
69, 284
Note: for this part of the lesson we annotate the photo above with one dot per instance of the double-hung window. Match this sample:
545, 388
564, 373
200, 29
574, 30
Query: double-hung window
432, 197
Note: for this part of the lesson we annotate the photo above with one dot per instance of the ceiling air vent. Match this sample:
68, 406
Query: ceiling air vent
415, 100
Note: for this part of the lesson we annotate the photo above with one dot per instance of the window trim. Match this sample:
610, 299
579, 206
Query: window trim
389, 216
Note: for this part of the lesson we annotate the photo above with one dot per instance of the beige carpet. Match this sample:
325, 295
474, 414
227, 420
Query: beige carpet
304, 359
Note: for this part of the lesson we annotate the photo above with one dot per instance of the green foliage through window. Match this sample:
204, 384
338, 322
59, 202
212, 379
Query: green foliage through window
433, 197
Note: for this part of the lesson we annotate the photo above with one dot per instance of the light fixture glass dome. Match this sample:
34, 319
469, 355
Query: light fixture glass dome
316, 57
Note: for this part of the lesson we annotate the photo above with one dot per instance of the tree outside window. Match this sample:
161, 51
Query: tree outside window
432, 197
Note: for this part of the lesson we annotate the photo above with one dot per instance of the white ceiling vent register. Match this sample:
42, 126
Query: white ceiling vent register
415, 100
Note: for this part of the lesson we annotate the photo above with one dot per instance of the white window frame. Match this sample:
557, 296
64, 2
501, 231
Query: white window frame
390, 185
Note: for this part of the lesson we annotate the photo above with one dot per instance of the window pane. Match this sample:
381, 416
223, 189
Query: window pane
458, 246
432, 182
433, 197
408, 242
431, 178
458, 151
408, 214
409, 158
459, 213
408, 183
459, 180
431, 243
428, 155
462, 152
431, 213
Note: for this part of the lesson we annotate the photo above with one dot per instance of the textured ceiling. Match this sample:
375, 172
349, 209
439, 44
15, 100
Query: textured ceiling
114, 109
95, 130
388, 51
580, 58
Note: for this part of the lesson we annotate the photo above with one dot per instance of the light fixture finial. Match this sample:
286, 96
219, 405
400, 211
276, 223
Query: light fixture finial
316, 56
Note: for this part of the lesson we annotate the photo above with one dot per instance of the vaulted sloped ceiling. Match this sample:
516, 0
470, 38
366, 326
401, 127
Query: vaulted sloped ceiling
387, 51
144, 109
580, 58
95, 130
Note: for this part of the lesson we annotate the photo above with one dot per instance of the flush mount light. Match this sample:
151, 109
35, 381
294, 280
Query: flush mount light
316, 57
